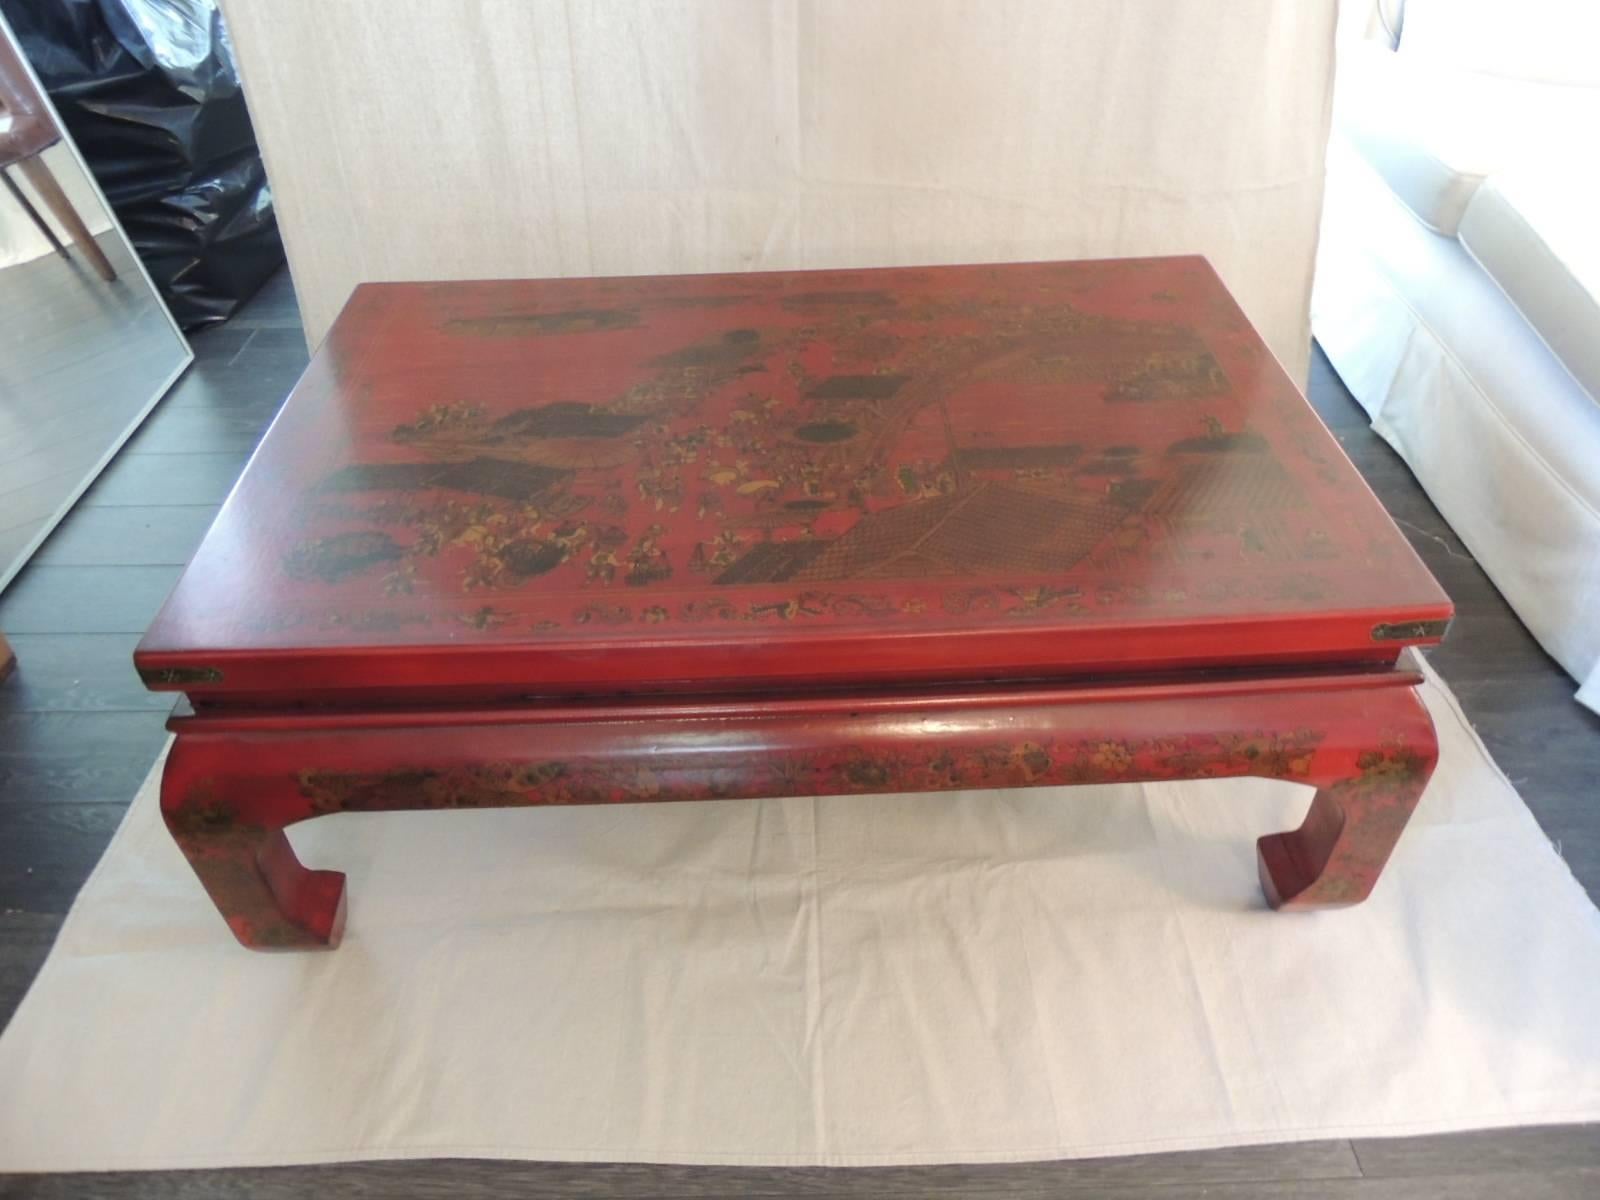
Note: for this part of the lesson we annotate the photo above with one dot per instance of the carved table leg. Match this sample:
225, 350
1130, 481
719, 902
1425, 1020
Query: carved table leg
1337, 854
233, 783
268, 899
249, 869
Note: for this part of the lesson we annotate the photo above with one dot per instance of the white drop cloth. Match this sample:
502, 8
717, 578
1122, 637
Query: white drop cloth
966, 977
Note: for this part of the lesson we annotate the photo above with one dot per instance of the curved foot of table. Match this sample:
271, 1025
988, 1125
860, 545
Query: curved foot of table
1335, 857
268, 898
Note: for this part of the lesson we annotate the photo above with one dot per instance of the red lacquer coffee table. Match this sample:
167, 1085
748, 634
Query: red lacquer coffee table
610, 541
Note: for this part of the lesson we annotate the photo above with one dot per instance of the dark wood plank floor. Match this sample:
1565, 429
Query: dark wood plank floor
77, 734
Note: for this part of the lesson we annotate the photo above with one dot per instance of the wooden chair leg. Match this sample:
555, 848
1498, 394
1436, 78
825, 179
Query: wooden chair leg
8, 658
38, 174
39, 222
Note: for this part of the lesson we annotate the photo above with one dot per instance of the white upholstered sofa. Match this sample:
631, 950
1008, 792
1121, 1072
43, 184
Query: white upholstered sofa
1457, 291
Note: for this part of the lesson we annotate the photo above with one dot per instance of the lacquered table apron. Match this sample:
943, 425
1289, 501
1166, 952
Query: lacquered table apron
590, 541
233, 784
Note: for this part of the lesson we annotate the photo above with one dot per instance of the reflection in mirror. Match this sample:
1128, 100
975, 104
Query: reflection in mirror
86, 345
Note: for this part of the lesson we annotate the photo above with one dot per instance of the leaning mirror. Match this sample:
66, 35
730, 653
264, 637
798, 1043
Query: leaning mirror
86, 344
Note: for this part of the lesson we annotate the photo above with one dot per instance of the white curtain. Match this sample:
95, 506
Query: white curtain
438, 139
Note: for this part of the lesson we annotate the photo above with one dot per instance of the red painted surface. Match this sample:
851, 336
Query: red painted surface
617, 541
490, 490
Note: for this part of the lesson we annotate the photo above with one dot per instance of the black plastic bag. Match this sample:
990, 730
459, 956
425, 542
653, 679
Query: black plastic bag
150, 91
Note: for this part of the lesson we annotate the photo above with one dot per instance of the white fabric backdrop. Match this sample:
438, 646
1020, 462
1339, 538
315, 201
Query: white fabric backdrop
976, 976
450, 139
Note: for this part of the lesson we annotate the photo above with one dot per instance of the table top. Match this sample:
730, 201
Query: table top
788, 479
